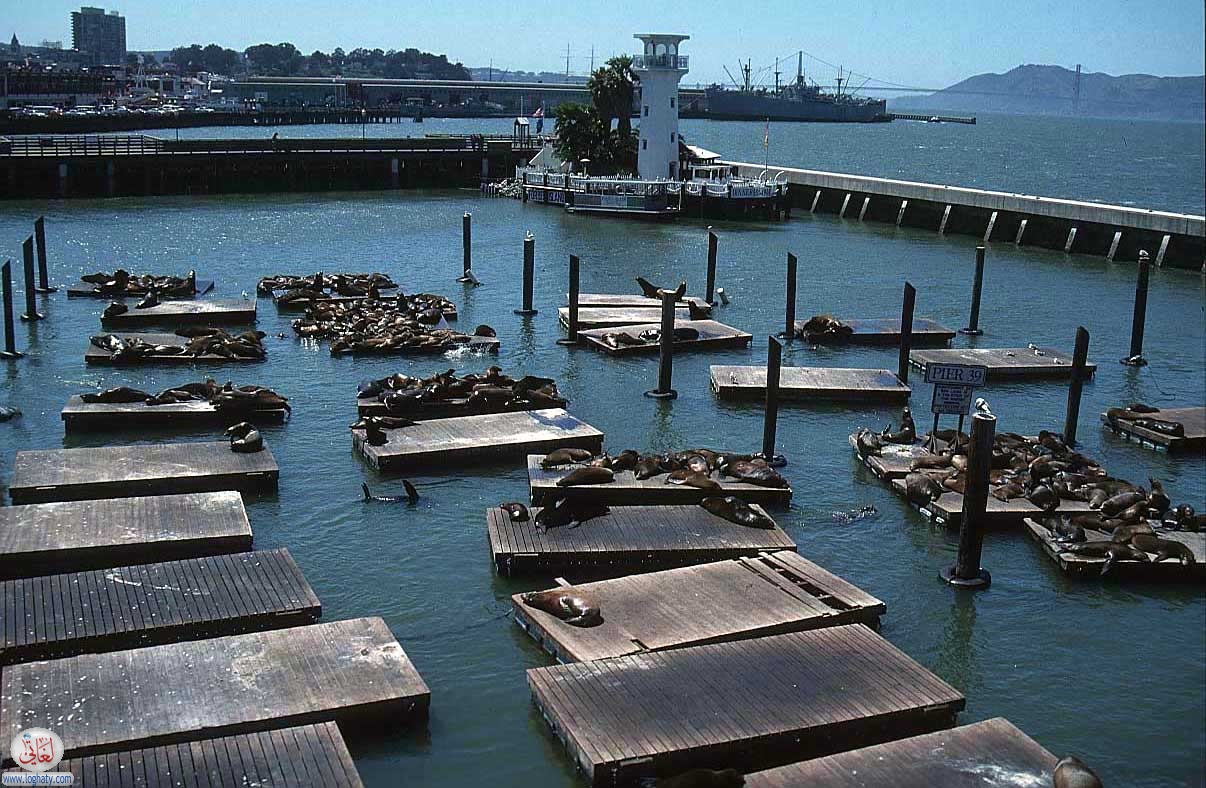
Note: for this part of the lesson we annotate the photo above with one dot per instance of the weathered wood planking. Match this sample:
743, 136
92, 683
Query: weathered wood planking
749, 704
628, 490
988, 754
809, 384
88, 290
618, 317
712, 336
80, 415
948, 509
448, 409
893, 460
306, 756
138, 469
186, 313
94, 355
711, 603
1193, 419
624, 301
1004, 363
1087, 567
46, 538
148, 697
884, 331
480, 345
148, 604
628, 537
489, 437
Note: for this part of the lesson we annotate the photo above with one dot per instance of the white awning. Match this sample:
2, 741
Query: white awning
702, 154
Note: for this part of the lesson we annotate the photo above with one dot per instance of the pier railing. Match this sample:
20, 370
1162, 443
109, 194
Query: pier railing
86, 145
141, 145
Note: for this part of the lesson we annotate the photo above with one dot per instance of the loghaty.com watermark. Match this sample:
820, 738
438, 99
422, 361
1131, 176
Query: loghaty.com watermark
36, 751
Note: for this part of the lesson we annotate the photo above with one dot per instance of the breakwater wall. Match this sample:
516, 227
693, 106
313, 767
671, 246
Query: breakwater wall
1115, 232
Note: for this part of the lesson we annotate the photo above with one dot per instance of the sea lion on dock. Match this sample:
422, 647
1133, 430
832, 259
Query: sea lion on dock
564, 456
703, 778
1007, 492
690, 478
1157, 499
121, 394
411, 497
1044, 498
907, 433
824, 326
1064, 531
1163, 549
1070, 772
698, 312
647, 288
1110, 551
1173, 429
1121, 502
148, 301
517, 512
568, 511
374, 431
586, 476
245, 439
573, 609
755, 472
1124, 533
113, 310
868, 443
922, 489
736, 511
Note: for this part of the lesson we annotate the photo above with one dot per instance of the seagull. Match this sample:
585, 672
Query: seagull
982, 406
245, 296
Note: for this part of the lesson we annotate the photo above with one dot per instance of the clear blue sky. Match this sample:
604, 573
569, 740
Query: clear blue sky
931, 43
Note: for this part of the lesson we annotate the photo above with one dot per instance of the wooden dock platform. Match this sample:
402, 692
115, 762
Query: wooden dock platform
47, 538
94, 355
745, 598
626, 301
1089, 568
87, 290
480, 345
1004, 363
948, 509
628, 538
883, 331
186, 313
133, 606
811, 384
620, 317
138, 469
628, 490
988, 754
767, 701
1193, 442
159, 695
78, 415
893, 460
712, 336
307, 756
302, 304
493, 436
427, 410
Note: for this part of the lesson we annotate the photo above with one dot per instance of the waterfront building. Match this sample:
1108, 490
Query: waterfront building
102, 36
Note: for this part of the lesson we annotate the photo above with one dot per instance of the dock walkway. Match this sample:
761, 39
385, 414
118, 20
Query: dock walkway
620, 317
138, 469
1192, 419
95, 355
710, 603
948, 509
425, 410
133, 606
883, 331
749, 704
1089, 568
1016, 363
186, 313
626, 301
712, 336
78, 415
809, 384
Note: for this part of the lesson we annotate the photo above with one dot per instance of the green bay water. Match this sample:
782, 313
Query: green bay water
1114, 674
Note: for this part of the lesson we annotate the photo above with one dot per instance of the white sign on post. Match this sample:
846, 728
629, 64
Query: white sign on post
951, 400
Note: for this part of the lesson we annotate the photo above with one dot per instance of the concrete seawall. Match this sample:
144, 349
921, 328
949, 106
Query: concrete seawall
1115, 232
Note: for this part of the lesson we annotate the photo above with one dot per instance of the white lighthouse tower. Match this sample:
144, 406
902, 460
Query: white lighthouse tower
659, 68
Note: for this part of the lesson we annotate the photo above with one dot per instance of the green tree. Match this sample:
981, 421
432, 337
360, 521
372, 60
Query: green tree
611, 90
580, 134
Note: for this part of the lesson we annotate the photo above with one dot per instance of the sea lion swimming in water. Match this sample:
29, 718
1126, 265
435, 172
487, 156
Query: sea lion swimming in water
736, 511
586, 475
573, 609
703, 778
411, 497
7, 413
1070, 772
517, 512
244, 438
564, 456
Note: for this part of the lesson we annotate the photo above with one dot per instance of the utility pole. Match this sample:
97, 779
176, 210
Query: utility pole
567, 56
1076, 92
592, 60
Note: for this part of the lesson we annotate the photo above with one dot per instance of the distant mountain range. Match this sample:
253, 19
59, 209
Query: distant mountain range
1050, 90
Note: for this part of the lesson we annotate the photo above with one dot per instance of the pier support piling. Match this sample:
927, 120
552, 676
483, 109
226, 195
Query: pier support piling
1139, 318
789, 330
10, 342
466, 246
967, 572
906, 332
529, 274
1079, 356
816, 200
900, 214
1017, 239
946, 215
863, 211
31, 307
770, 423
973, 324
845, 202
572, 339
992, 222
711, 283
1114, 246
1162, 251
665, 367
40, 241
1071, 240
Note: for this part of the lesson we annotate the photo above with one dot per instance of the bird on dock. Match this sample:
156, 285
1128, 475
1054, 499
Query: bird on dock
246, 297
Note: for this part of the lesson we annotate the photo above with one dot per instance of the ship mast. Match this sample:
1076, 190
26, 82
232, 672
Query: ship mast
800, 69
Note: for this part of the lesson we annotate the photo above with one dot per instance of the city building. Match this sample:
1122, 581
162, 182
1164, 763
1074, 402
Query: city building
100, 36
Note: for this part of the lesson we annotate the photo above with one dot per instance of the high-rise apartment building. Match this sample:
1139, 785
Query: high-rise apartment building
99, 36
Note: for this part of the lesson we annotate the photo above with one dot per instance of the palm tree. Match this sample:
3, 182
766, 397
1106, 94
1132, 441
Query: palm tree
611, 90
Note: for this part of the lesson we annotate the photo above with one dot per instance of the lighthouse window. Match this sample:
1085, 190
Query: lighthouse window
644, 144
671, 103
646, 110
672, 136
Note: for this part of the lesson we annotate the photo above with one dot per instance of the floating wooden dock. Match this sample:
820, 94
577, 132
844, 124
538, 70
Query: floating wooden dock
78, 415
948, 509
307, 756
626, 539
712, 603
94, 355
159, 695
301, 304
620, 317
87, 290
47, 538
133, 606
475, 345
988, 754
625, 301
494, 436
186, 313
1193, 419
628, 490
750, 704
883, 331
426, 410
138, 469
893, 461
712, 336
811, 384
1089, 568
1004, 363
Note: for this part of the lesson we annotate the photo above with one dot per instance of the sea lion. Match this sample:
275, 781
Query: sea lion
736, 511
1121, 502
411, 497
647, 288
1157, 499
698, 312
907, 433
625, 461
703, 778
564, 457
566, 511
860, 513
1124, 533
647, 468
930, 460
148, 301
586, 475
868, 443
574, 609
1173, 428
824, 325
484, 331
8, 413
374, 431
1111, 551
244, 438
1131, 412
113, 310
758, 473
1064, 531
922, 489
690, 478
121, 394
1044, 498
1070, 772
517, 512
1007, 492
1163, 549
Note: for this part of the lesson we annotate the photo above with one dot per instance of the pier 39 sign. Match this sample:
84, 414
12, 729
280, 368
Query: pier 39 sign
953, 384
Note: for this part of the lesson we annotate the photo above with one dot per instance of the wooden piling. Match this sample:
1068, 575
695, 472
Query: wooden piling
973, 325
31, 307
770, 423
466, 235
1135, 357
529, 274
711, 285
10, 345
665, 367
906, 332
40, 240
967, 572
1079, 356
789, 330
572, 339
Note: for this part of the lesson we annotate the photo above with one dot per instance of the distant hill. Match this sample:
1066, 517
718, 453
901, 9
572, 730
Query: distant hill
1048, 90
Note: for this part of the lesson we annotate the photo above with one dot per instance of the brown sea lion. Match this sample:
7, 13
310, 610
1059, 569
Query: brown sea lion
574, 609
121, 394
922, 489
1064, 531
244, 438
755, 472
564, 456
689, 478
907, 433
1044, 498
1163, 549
1157, 499
1124, 533
516, 511
1007, 492
1070, 772
736, 511
567, 511
868, 443
1121, 502
586, 475
1111, 551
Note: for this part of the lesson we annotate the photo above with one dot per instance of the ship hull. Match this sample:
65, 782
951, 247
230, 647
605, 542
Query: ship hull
733, 105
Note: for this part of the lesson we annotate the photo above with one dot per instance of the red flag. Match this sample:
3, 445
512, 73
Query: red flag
539, 113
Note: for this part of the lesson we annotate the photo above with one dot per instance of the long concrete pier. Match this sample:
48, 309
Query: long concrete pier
1115, 232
